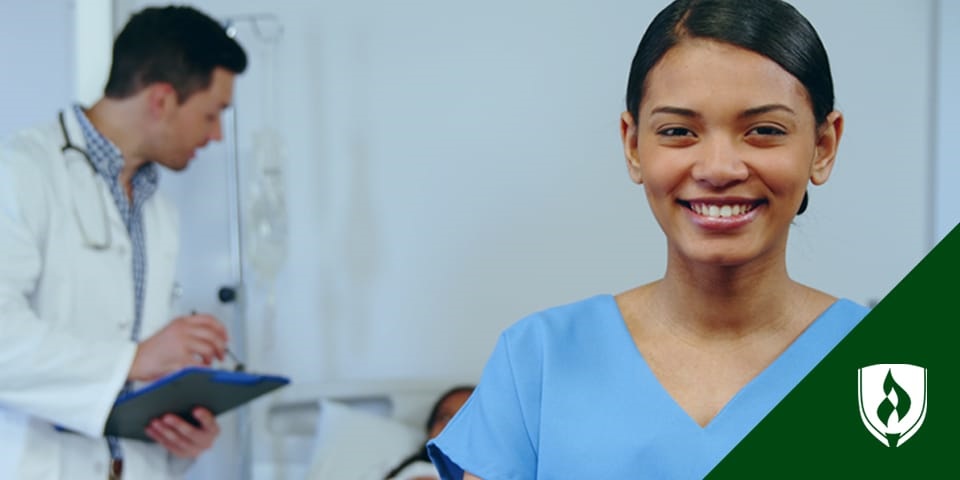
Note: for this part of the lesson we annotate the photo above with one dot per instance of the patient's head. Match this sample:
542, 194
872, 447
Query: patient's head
443, 410
446, 407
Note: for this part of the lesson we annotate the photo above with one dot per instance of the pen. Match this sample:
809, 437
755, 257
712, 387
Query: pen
239, 365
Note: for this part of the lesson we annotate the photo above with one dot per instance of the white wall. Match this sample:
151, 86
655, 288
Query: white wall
54, 52
92, 47
947, 172
38, 69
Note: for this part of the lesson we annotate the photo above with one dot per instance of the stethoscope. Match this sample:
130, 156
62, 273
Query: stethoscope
107, 237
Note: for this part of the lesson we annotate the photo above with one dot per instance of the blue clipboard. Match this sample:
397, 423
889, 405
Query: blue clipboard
180, 392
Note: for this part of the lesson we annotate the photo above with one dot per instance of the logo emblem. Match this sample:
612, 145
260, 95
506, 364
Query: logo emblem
893, 401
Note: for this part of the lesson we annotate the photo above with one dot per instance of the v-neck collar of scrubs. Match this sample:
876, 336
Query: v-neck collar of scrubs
755, 399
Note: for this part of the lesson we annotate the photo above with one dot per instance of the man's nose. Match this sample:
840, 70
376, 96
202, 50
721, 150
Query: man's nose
217, 133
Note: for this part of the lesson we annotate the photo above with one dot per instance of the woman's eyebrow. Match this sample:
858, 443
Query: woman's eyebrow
750, 112
684, 112
772, 107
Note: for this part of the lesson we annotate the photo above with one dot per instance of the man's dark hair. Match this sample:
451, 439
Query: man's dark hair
177, 45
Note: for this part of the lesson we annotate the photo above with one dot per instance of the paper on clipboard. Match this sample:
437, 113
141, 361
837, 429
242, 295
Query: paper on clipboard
179, 393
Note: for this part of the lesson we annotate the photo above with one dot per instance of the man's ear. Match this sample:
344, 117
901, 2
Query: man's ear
161, 98
628, 134
828, 141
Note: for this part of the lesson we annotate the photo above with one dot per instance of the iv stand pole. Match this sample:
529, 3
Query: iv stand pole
235, 292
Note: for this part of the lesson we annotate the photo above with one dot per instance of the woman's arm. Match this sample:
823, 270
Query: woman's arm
470, 476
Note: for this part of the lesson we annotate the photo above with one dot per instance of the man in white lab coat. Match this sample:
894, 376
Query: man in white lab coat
87, 257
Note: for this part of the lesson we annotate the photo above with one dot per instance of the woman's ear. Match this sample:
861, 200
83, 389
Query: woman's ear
628, 134
828, 141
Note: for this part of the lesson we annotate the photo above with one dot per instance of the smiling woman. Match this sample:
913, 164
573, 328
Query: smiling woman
721, 130
729, 118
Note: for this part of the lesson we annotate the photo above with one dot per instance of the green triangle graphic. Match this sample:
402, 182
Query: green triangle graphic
817, 432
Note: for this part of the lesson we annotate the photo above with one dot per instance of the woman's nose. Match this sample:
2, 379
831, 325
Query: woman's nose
720, 164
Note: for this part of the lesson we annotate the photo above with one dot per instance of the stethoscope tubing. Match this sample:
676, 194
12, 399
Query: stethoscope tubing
68, 146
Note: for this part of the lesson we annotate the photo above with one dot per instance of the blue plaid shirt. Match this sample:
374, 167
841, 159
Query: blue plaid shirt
108, 161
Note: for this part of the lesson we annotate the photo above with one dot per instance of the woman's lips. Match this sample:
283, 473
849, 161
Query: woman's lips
722, 214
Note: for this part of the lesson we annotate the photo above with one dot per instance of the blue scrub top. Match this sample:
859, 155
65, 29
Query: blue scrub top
566, 394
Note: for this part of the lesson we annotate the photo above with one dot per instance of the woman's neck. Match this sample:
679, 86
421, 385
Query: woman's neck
732, 303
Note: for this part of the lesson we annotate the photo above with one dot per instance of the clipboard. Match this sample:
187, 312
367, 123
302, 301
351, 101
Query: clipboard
180, 392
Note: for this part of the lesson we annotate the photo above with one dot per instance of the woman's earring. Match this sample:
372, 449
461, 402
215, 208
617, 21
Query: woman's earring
804, 202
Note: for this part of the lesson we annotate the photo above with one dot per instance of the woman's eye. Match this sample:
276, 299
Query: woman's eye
675, 132
768, 130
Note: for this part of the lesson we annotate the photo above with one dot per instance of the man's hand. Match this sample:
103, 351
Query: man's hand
186, 341
180, 437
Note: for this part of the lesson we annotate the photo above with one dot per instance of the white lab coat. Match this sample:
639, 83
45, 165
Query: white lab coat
66, 312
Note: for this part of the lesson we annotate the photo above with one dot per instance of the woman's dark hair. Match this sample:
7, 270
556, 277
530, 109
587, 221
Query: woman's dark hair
421, 453
177, 45
771, 28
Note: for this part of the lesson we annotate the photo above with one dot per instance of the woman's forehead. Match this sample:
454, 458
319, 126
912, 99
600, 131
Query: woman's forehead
696, 71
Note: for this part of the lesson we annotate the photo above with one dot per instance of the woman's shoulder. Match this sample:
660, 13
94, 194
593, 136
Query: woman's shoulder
826, 306
846, 309
597, 313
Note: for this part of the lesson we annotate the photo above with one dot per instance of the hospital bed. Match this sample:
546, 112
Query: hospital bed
349, 430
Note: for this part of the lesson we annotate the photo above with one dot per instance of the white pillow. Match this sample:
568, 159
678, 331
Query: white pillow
352, 444
417, 469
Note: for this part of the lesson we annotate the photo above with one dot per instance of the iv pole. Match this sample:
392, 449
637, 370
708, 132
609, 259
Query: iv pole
232, 293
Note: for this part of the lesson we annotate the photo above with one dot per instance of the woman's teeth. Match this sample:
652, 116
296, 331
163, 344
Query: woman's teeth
720, 211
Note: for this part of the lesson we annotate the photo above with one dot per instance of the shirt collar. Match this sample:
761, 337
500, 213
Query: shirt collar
108, 160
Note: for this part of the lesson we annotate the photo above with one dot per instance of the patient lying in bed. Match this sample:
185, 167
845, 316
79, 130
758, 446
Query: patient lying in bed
417, 466
359, 444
